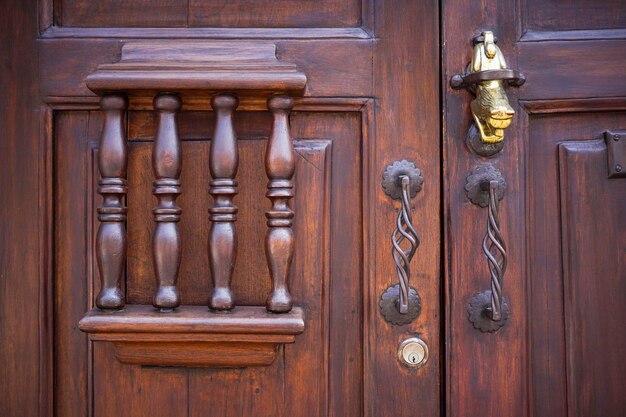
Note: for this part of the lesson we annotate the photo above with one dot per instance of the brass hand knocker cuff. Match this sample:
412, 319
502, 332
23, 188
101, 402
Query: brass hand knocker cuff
485, 76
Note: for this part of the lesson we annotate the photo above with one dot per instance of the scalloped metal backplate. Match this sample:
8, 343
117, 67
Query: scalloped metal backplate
478, 313
391, 179
389, 306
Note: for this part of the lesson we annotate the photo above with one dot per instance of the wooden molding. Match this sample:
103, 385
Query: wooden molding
192, 103
574, 105
572, 35
60, 32
194, 336
187, 66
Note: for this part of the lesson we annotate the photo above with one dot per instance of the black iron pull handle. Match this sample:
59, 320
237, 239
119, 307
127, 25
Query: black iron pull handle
400, 304
494, 248
488, 310
402, 257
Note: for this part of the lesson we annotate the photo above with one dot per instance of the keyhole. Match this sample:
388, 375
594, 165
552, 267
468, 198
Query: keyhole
413, 352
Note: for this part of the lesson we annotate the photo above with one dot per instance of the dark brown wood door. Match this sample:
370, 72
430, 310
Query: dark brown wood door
362, 79
339, 91
562, 216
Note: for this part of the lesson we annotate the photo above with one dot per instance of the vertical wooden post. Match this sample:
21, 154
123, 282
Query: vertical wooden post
166, 163
111, 238
223, 164
280, 166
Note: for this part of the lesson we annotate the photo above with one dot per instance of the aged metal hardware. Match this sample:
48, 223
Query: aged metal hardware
488, 310
413, 352
400, 304
616, 153
485, 77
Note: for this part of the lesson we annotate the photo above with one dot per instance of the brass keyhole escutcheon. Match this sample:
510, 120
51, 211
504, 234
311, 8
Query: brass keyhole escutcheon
413, 352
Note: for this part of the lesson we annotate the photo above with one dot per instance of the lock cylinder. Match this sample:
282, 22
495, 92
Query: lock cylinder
413, 352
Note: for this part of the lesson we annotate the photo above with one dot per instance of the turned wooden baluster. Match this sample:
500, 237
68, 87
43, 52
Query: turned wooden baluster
166, 163
280, 166
223, 164
111, 238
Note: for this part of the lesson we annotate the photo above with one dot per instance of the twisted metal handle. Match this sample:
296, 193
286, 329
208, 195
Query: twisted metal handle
402, 257
488, 310
400, 304
494, 248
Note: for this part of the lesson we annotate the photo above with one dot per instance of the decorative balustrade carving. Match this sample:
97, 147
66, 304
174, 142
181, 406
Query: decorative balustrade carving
223, 164
169, 72
280, 165
166, 163
111, 238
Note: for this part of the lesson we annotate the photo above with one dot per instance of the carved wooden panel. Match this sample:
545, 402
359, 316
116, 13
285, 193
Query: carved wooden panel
557, 15
203, 13
89, 368
576, 265
551, 73
275, 13
115, 13
593, 221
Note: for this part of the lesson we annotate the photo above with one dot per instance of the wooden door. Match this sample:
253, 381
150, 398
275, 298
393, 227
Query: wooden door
368, 90
562, 216
363, 80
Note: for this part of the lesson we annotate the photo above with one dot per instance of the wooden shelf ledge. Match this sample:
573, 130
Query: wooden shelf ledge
193, 335
193, 66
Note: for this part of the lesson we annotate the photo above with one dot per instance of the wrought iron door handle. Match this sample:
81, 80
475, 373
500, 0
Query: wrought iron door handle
402, 258
485, 77
400, 304
488, 310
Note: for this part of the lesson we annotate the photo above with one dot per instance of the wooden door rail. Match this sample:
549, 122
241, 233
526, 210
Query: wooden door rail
198, 66
166, 333
193, 335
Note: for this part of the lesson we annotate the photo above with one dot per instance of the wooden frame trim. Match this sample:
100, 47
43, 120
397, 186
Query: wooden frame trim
572, 35
56, 32
574, 105
198, 67
47, 256
321, 104
194, 335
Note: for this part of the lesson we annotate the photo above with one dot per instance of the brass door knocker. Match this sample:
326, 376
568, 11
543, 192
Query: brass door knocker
485, 77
